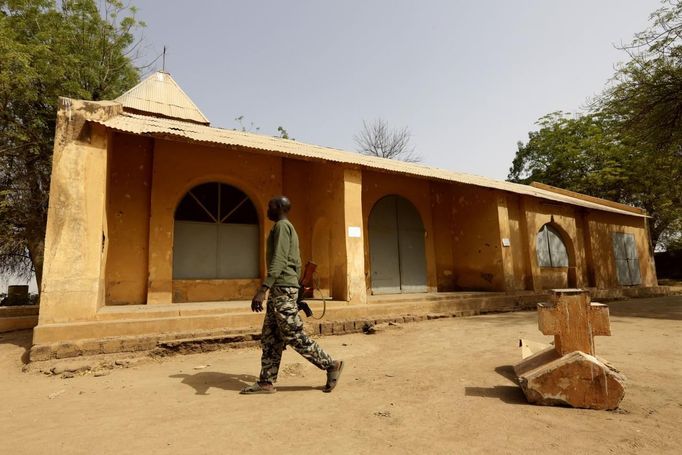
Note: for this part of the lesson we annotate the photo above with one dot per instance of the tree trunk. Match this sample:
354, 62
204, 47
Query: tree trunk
36, 250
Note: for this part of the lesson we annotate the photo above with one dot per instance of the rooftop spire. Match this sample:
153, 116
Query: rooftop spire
159, 95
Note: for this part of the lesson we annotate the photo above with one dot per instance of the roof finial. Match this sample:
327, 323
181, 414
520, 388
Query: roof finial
163, 66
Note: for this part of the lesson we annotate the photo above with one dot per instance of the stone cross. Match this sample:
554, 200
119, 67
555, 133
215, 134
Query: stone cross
573, 320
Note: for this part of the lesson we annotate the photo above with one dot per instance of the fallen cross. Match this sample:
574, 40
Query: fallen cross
569, 373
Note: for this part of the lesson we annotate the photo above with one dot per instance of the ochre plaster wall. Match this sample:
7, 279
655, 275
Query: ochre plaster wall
325, 201
180, 166
296, 186
518, 249
567, 220
324, 197
478, 264
376, 185
587, 236
601, 225
354, 276
443, 235
76, 233
213, 290
128, 209
467, 235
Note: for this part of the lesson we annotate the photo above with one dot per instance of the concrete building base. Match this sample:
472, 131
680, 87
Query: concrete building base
18, 317
133, 328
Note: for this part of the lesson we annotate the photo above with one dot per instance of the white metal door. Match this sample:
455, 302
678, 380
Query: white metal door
411, 248
383, 247
397, 252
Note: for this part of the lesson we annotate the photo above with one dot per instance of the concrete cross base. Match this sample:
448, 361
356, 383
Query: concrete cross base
576, 379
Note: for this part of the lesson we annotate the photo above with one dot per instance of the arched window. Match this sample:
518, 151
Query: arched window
216, 234
551, 248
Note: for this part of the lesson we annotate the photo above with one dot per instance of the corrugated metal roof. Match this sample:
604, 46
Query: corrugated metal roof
140, 124
159, 94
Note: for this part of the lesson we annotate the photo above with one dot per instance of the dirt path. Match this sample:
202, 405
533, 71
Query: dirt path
431, 387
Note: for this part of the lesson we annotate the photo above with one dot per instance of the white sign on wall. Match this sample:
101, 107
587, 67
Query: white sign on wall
354, 232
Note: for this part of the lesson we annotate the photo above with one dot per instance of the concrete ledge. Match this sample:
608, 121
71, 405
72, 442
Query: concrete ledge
18, 323
162, 345
185, 318
240, 328
142, 327
18, 317
19, 310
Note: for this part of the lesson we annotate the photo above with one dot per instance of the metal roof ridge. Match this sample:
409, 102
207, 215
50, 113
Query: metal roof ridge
202, 133
160, 94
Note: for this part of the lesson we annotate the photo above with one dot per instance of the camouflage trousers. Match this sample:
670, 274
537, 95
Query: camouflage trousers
283, 326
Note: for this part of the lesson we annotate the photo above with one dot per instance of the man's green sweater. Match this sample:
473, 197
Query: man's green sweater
283, 255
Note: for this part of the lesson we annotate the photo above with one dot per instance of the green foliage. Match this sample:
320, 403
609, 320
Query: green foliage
578, 153
590, 154
629, 147
646, 95
283, 133
48, 49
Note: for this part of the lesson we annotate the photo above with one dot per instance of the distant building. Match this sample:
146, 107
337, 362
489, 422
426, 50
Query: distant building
152, 211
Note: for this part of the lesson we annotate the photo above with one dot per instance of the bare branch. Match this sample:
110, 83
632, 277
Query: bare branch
377, 139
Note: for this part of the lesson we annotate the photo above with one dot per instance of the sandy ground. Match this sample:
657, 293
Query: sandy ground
438, 386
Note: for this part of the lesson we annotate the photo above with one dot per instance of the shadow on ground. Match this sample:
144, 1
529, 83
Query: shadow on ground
202, 382
510, 394
19, 338
659, 308
506, 319
668, 307
507, 371
507, 393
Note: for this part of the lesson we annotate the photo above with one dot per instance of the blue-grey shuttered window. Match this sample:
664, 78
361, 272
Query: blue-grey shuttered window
627, 262
551, 250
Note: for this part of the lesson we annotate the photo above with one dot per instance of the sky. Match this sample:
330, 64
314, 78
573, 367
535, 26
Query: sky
468, 78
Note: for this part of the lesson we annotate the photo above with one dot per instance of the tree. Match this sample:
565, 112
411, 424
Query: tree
283, 133
646, 93
50, 48
646, 99
590, 154
377, 139
579, 153
628, 148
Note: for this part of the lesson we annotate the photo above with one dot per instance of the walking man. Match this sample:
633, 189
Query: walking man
282, 325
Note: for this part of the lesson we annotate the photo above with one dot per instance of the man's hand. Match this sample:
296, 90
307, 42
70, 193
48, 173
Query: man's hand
257, 302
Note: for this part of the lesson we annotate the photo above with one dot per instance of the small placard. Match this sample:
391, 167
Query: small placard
354, 231
506, 242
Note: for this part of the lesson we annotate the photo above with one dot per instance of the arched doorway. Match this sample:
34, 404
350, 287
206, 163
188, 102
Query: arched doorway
396, 247
216, 234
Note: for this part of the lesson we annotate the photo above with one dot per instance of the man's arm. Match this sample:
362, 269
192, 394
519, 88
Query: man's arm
281, 244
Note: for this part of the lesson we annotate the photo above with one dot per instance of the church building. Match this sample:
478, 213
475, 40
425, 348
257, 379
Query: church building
157, 227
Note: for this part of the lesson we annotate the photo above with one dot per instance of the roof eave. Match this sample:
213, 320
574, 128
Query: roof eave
193, 132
